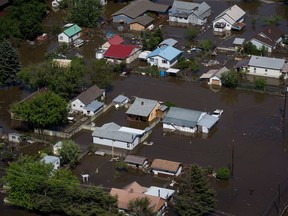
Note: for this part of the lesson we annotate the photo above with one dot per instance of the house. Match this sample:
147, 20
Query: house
206, 123
268, 38
70, 34
238, 43
189, 12
135, 161
114, 40
55, 161
134, 191
14, 137
166, 167
57, 147
229, 18
141, 23
86, 102
115, 136
143, 110
267, 67
120, 100
213, 76
164, 57
164, 193
136, 9
168, 42
122, 53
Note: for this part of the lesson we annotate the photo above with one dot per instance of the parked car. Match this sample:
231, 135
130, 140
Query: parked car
217, 113
78, 42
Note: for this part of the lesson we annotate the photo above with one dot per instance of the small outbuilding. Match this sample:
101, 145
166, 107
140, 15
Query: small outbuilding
55, 161
14, 137
135, 161
160, 166
120, 100
141, 23
57, 147
70, 34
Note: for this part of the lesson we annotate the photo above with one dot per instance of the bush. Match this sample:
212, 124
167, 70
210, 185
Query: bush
223, 173
260, 83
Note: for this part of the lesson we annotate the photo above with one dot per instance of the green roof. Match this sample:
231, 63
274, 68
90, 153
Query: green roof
74, 29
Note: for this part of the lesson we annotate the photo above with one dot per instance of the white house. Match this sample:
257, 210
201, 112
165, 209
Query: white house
87, 103
229, 18
213, 76
166, 167
120, 100
268, 38
189, 12
206, 123
70, 34
267, 67
115, 136
57, 147
55, 161
14, 137
164, 56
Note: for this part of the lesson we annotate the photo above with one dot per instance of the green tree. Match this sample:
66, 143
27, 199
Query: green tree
250, 49
230, 79
195, 196
85, 13
192, 33
223, 173
273, 20
43, 110
140, 207
260, 83
152, 39
9, 62
205, 44
101, 73
69, 153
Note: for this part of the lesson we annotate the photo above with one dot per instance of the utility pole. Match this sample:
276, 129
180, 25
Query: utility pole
232, 163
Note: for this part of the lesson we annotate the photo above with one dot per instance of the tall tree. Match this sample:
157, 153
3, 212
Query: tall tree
9, 62
85, 13
101, 73
195, 196
140, 207
69, 152
42, 110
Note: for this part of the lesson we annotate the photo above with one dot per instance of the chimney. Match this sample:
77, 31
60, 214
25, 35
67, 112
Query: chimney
142, 103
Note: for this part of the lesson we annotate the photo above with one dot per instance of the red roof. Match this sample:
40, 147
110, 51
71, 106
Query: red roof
116, 39
120, 51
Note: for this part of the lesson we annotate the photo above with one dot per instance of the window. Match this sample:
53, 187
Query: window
81, 106
61, 37
266, 70
164, 61
128, 145
74, 105
88, 112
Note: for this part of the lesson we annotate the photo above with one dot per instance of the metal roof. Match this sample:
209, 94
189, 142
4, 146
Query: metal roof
169, 42
50, 159
165, 165
90, 95
134, 159
266, 62
120, 51
232, 14
74, 29
166, 52
207, 121
143, 20
238, 41
94, 106
182, 117
142, 107
120, 99
164, 193
184, 9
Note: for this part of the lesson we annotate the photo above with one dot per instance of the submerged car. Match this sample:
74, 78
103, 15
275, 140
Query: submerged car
217, 113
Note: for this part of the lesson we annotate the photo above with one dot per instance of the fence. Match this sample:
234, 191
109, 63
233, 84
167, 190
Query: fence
275, 90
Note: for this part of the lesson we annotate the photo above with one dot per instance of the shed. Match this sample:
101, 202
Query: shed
92, 108
55, 161
136, 161
168, 42
120, 100
141, 23
160, 166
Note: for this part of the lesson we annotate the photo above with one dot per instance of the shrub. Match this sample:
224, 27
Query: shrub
260, 83
223, 173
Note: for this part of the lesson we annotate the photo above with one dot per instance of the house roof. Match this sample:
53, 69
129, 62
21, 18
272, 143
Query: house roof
238, 41
169, 42
94, 106
135, 159
142, 107
269, 35
90, 95
184, 9
208, 121
50, 159
58, 144
159, 164
182, 117
120, 99
134, 187
232, 14
120, 51
165, 52
3, 2
124, 197
72, 30
113, 131
164, 193
139, 7
266, 62
143, 20
115, 39
214, 72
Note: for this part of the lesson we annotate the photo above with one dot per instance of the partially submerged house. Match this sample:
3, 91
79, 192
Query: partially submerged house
143, 110
188, 121
14, 137
168, 42
164, 193
166, 167
141, 23
189, 12
122, 53
55, 161
57, 147
134, 191
136, 9
213, 76
87, 102
164, 57
120, 100
113, 40
268, 38
116, 136
229, 19
70, 34
135, 161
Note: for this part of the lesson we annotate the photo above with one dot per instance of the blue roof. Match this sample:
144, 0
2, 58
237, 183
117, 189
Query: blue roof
166, 52
94, 106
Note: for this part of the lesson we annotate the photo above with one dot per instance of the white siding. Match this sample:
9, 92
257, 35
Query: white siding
160, 62
265, 72
77, 105
63, 38
156, 172
116, 144
226, 28
259, 45
179, 128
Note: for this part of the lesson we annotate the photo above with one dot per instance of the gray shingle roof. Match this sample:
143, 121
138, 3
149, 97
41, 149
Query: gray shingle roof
182, 117
168, 42
184, 9
135, 159
94, 106
120, 99
266, 62
90, 95
142, 107
137, 8
208, 121
143, 20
